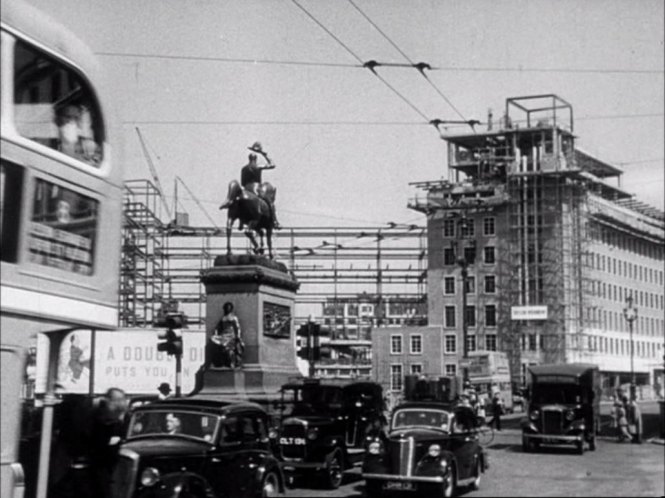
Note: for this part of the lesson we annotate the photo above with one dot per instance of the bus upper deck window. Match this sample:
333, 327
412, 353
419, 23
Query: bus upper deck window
54, 106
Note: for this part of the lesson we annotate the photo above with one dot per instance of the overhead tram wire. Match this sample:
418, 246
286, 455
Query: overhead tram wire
229, 60
355, 56
448, 124
279, 62
419, 66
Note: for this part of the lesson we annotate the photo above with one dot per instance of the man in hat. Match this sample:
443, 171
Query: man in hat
164, 390
250, 179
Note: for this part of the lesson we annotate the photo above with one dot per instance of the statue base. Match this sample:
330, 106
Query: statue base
262, 292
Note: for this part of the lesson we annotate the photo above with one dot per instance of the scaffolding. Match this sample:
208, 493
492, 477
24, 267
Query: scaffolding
142, 268
530, 176
163, 261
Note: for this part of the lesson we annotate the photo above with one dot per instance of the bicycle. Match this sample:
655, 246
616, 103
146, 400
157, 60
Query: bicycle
485, 434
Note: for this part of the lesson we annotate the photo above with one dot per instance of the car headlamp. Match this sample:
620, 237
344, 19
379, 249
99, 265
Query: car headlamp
312, 434
534, 415
434, 450
374, 448
570, 415
149, 477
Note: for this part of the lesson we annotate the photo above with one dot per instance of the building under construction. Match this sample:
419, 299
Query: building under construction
384, 268
553, 247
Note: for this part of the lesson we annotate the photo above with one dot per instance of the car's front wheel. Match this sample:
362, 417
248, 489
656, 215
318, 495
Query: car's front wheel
372, 489
334, 470
475, 485
269, 485
449, 484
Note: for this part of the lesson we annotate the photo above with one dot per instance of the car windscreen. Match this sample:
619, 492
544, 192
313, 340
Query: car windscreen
416, 417
173, 422
565, 394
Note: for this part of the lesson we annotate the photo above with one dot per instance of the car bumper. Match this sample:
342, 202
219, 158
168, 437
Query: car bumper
399, 478
562, 438
291, 467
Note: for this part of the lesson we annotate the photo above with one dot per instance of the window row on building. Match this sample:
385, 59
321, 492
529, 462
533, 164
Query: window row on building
450, 343
635, 271
450, 316
627, 242
615, 321
415, 344
466, 227
450, 285
620, 294
621, 347
450, 259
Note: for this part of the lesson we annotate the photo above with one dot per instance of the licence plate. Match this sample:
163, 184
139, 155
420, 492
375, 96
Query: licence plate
399, 486
292, 440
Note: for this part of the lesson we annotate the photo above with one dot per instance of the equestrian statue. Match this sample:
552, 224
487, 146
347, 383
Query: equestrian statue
252, 203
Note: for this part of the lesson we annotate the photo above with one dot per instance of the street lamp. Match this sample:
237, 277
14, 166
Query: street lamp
464, 264
630, 314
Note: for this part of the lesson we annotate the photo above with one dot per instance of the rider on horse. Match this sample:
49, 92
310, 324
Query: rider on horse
250, 179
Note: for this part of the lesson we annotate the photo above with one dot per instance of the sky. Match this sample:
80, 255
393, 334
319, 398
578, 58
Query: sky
198, 115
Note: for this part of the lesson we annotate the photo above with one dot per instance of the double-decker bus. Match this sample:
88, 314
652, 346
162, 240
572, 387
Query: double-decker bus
60, 212
489, 372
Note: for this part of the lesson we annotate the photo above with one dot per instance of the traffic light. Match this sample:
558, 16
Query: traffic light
172, 338
310, 349
171, 342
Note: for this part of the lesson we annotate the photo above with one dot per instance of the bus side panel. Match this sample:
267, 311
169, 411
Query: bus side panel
11, 475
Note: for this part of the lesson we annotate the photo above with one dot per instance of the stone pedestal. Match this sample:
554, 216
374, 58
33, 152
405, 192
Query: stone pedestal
262, 292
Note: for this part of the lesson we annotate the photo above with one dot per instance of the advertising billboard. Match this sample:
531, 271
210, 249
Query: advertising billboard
126, 358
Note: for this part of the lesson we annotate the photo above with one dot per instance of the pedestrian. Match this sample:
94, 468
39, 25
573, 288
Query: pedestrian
624, 434
497, 410
634, 422
164, 390
614, 423
107, 430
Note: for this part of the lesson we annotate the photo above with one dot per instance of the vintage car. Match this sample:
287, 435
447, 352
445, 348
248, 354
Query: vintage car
564, 406
325, 425
431, 449
198, 448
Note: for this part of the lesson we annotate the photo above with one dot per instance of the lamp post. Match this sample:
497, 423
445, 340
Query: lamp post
464, 264
630, 314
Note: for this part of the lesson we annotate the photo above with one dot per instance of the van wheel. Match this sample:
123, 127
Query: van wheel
270, 485
592, 443
334, 469
579, 446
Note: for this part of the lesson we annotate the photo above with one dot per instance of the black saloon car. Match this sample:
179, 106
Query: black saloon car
197, 448
326, 425
431, 449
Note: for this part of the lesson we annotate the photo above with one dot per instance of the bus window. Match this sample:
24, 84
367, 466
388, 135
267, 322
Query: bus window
63, 227
55, 107
11, 189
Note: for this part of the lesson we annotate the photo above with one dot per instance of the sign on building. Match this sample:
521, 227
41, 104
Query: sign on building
528, 312
127, 359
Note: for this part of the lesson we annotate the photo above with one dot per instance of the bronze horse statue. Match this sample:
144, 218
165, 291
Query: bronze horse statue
253, 214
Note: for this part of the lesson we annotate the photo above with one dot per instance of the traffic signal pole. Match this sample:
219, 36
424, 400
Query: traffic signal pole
178, 375
310, 348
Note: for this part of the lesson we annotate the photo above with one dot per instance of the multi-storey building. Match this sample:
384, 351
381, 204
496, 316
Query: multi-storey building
349, 323
552, 246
